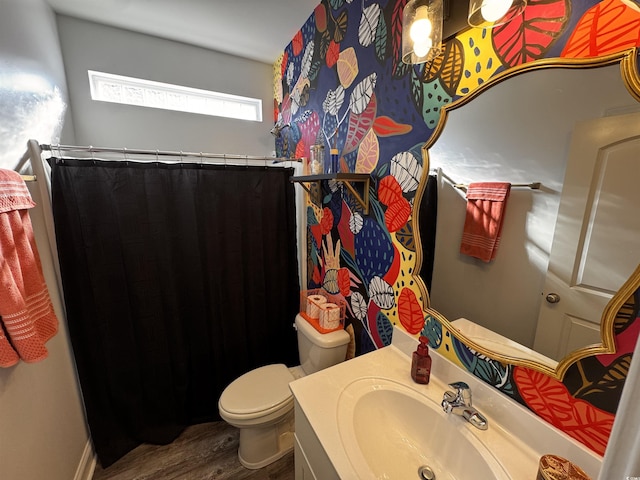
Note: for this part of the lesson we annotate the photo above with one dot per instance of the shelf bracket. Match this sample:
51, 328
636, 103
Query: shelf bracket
364, 202
347, 179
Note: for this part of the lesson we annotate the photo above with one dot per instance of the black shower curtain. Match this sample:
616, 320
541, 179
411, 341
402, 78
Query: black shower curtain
177, 279
428, 221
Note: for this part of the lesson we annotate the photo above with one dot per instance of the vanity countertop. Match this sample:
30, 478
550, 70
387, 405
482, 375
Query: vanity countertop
516, 436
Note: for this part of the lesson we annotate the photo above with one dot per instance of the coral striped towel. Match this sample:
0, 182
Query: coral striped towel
486, 205
26, 313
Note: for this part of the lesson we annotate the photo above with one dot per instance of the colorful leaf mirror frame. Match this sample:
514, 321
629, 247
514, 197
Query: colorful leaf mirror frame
616, 317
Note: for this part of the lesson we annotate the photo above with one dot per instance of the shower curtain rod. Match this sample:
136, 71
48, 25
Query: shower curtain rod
161, 153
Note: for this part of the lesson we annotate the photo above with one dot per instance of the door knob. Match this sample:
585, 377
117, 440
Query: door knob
553, 298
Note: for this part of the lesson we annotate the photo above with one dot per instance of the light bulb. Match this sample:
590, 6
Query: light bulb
422, 48
421, 27
493, 10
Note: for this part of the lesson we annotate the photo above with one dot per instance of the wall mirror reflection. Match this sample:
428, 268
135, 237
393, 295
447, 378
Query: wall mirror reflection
565, 248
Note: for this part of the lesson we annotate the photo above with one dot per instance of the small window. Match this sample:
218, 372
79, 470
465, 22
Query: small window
106, 87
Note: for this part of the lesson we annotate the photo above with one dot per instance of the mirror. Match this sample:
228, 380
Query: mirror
520, 128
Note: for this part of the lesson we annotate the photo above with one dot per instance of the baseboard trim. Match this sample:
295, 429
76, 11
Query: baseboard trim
87, 463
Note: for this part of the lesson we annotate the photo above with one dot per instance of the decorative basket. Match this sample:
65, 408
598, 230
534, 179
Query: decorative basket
324, 311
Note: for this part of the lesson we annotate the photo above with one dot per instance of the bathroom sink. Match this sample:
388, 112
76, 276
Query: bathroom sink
390, 430
367, 419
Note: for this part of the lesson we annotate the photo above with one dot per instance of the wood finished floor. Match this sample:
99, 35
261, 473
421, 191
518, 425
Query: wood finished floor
203, 452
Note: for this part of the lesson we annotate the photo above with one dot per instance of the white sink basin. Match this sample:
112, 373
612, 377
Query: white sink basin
389, 430
367, 419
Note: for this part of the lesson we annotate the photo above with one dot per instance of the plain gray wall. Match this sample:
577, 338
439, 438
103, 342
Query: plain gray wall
33, 90
91, 46
43, 434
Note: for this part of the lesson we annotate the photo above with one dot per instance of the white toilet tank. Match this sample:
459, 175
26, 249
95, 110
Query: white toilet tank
319, 350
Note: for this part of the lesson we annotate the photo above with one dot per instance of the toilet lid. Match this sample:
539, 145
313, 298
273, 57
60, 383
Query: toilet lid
258, 390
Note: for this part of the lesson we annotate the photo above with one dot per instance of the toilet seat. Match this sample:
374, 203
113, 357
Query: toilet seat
258, 393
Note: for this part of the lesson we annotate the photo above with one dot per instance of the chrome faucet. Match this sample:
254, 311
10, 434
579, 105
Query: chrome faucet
459, 403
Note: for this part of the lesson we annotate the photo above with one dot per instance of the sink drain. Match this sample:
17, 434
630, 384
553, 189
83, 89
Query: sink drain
426, 473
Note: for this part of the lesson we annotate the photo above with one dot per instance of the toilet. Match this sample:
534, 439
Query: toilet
260, 403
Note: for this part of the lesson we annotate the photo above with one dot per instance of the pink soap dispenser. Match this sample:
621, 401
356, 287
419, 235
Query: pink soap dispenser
421, 362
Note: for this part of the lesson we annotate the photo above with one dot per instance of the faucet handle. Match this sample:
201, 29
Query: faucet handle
463, 392
448, 401
459, 385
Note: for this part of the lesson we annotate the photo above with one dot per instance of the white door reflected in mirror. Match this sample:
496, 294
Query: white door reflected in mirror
595, 247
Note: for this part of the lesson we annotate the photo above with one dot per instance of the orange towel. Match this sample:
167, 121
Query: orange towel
486, 205
26, 313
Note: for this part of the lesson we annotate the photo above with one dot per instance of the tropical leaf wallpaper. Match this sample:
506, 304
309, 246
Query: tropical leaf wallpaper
341, 83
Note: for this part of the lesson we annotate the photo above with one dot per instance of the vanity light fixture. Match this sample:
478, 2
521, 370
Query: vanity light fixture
422, 31
491, 13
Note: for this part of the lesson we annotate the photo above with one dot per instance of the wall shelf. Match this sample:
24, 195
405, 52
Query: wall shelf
348, 179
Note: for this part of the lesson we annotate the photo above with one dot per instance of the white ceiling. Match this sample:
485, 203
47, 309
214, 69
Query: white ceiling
254, 29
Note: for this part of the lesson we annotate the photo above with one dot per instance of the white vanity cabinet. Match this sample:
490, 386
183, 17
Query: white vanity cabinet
311, 461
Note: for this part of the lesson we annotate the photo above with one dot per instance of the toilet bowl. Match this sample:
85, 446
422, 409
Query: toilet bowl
260, 402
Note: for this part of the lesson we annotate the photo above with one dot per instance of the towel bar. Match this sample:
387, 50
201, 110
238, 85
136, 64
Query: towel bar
464, 186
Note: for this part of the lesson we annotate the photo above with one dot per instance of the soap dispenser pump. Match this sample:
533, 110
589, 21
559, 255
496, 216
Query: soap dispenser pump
421, 362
